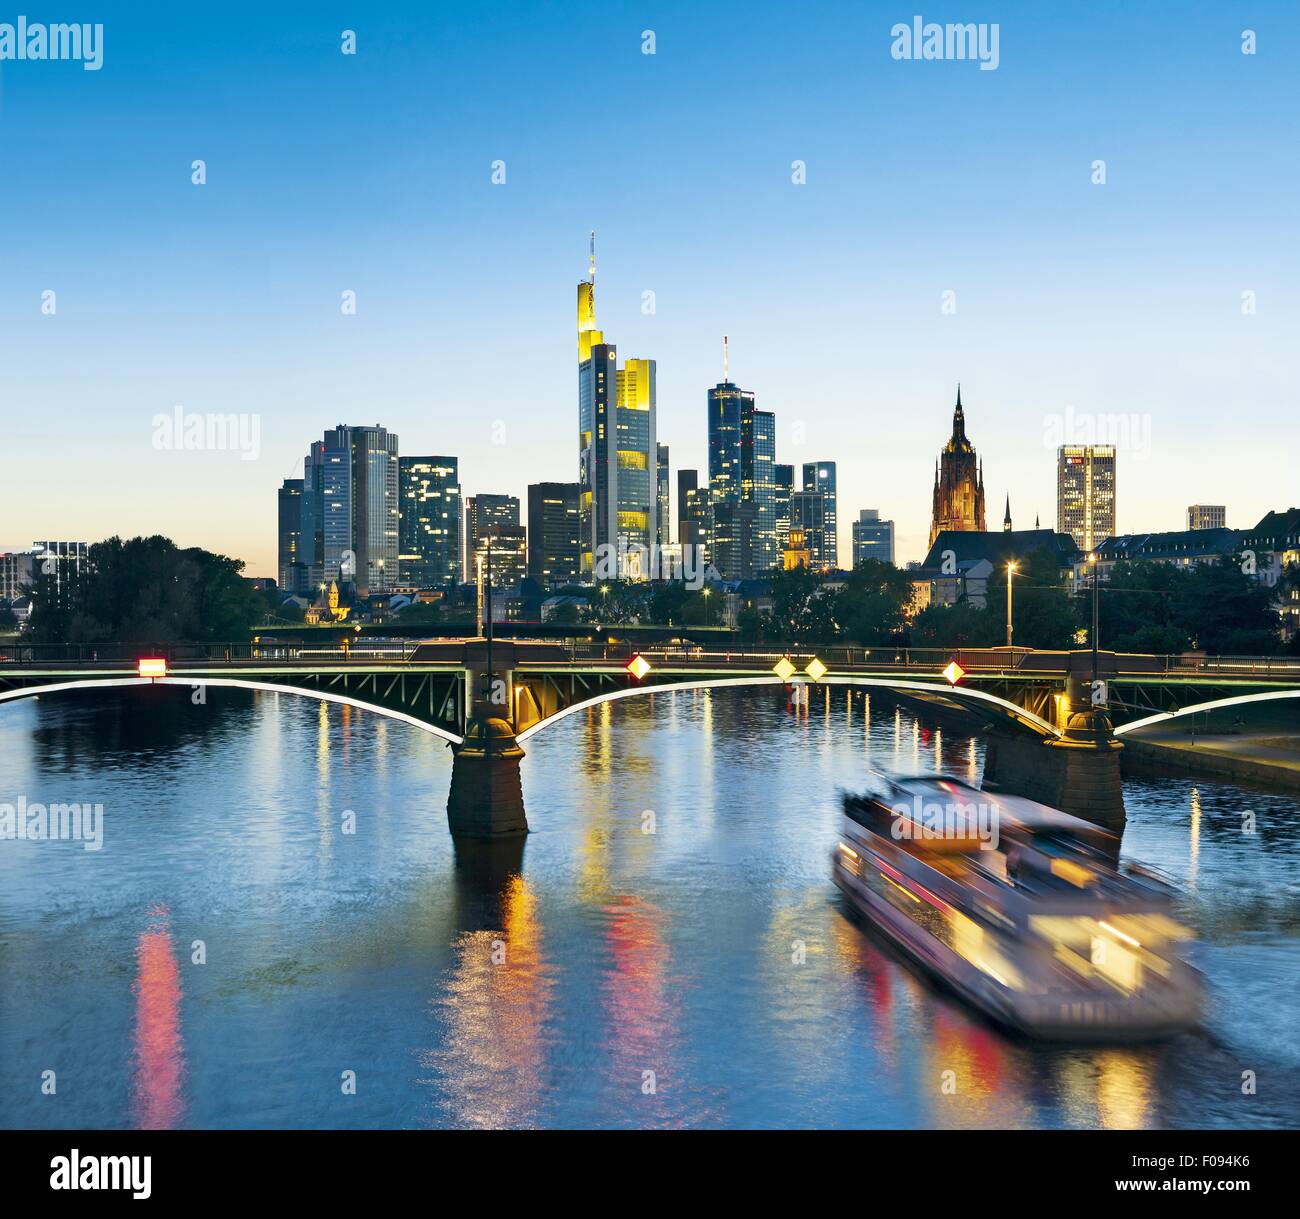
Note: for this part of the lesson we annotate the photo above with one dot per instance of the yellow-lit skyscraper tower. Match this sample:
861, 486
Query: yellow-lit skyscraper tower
617, 451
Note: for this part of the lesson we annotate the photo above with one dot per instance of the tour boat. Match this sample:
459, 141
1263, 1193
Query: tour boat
1018, 908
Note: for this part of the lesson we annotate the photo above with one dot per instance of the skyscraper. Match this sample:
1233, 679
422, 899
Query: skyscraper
663, 522
350, 508
958, 482
783, 477
692, 509
509, 546
484, 512
617, 450
291, 573
808, 521
554, 533
1085, 493
742, 461
429, 531
872, 537
819, 476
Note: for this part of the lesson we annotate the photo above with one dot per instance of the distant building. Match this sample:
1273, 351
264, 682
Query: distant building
617, 447
783, 478
429, 532
350, 509
291, 572
17, 573
1272, 546
1085, 493
819, 477
960, 562
509, 546
1183, 548
663, 512
808, 520
796, 553
872, 538
958, 499
554, 533
1207, 516
692, 510
483, 512
742, 459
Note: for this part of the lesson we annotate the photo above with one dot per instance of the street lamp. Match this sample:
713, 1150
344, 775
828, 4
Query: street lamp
1096, 571
706, 606
1011, 570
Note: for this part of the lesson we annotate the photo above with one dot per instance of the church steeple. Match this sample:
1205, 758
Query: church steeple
1006, 520
959, 481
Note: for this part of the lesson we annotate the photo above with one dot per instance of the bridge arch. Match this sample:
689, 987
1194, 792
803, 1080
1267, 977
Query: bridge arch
972, 699
1213, 705
237, 682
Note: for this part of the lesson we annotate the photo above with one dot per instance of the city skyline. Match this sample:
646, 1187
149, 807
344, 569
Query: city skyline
1077, 304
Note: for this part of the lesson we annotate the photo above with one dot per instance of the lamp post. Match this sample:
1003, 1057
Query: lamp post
1011, 570
1096, 571
706, 606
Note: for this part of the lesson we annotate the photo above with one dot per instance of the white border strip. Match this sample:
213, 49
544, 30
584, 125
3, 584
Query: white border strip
1235, 701
318, 695
876, 682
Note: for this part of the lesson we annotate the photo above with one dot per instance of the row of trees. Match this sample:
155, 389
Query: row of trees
145, 590
1143, 607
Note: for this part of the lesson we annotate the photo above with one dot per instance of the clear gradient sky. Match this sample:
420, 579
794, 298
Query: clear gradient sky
372, 173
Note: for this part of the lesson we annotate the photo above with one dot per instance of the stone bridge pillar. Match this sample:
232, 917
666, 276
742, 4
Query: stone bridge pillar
486, 798
1079, 772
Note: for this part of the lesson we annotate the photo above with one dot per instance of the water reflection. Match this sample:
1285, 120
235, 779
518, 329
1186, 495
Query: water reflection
159, 1049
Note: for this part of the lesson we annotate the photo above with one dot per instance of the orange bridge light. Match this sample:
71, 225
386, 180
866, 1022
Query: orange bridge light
638, 666
154, 666
954, 672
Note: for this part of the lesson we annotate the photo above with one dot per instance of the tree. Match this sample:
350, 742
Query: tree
146, 590
953, 626
802, 612
871, 608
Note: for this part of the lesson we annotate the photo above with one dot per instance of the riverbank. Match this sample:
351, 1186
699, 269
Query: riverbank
1249, 757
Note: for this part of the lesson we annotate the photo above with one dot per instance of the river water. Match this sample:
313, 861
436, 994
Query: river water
666, 949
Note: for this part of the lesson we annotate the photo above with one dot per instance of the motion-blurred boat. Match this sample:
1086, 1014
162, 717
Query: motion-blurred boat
1018, 908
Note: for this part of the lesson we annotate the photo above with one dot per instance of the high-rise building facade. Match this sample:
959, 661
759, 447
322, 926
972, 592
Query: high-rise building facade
742, 470
484, 512
692, 510
1207, 516
1085, 493
808, 521
350, 508
783, 477
617, 449
663, 506
554, 533
509, 555
291, 572
819, 477
872, 538
958, 482
429, 554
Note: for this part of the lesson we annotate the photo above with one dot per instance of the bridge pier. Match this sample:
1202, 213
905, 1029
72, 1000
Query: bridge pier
1078, 773
486, 798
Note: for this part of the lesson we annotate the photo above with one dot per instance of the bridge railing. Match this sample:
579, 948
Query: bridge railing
1021, 660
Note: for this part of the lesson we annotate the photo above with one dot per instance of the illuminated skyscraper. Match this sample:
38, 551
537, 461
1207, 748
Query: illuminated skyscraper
291, 572
783, 478
692, 509
484, 512
958, 482
429, 530
742, 470
554, 533
807, 528
872, 538
350, 508
663, 521
1085, 493
617, 451
819, 476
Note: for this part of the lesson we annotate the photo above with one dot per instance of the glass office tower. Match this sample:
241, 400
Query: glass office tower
554, 533
430, 550
819, 476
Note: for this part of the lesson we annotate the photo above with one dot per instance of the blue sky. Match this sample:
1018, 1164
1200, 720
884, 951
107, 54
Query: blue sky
372, 173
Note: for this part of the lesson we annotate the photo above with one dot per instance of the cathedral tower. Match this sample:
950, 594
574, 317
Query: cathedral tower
958, 482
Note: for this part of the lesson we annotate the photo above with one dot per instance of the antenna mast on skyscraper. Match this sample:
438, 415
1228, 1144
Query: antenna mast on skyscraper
593, 258
726, 361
